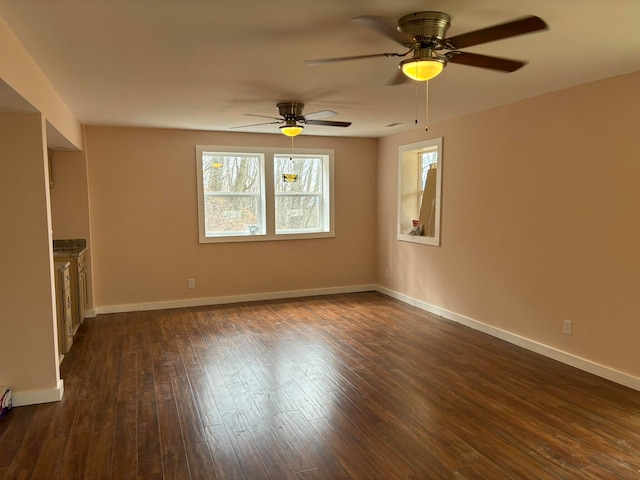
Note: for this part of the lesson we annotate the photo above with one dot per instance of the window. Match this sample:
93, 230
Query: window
236, 202
232, 185
419, 185
300, 202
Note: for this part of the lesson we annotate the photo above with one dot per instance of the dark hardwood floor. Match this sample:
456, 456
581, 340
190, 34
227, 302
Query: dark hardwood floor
353, 386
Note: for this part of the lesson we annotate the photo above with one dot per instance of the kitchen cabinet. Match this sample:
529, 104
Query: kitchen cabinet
74, 251
78, 274
64, 311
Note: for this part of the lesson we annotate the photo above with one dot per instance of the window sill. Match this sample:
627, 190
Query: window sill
265, 238
435, 241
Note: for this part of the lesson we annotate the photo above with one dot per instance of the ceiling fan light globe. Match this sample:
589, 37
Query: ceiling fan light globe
422, 69
291, 130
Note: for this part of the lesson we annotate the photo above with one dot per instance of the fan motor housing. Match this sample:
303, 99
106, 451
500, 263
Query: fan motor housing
290, 110
424, 26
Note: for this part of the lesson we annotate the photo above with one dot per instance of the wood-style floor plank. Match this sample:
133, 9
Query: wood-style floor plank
12, 431
49, 461
340, 387
201, 465
125, 449
225, 460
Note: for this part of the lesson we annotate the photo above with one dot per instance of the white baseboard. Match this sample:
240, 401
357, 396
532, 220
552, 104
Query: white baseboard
545, 350
33, 397
200, 302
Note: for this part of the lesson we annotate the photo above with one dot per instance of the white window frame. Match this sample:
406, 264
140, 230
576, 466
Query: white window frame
324, 200
259, 195
268, 195
409, 188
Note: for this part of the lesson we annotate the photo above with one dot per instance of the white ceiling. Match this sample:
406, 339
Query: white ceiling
204, 64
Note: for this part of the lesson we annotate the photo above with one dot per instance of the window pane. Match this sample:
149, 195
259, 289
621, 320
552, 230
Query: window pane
428, 160
299, 213
307, 173
231, 214
230, 173
232, 189
299, 189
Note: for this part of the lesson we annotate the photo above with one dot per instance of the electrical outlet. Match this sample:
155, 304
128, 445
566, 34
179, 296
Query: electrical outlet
191, 283
567, 327
386, 274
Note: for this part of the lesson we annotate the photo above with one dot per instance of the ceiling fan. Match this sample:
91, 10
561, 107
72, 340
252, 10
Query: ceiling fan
424, 34
293, 121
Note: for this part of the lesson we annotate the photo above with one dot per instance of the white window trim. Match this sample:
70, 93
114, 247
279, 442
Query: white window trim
269, 195
416, 148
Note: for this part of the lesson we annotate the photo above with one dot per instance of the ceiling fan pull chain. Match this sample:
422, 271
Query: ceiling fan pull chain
416, 102
426, 107
291, 157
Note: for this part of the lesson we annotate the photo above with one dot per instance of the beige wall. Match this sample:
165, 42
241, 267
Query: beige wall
144, 225
20, 72
70, 203
28, 355
69, 195
539, 221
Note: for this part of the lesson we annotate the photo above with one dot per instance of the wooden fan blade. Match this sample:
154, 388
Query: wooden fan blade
320, 114
384, 26
521, 26
485, 61
261, 116
320, 61
254, 124
327, 123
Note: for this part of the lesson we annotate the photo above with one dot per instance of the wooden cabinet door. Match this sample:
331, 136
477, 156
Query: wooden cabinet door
83, 299
68, 321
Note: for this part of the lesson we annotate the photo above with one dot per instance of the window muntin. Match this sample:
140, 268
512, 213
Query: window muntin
237, 205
